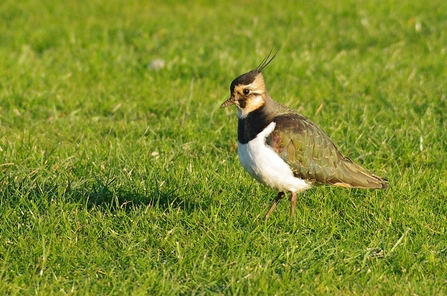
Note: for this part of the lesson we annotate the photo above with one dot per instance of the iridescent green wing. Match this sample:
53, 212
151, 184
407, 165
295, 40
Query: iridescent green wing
312, 156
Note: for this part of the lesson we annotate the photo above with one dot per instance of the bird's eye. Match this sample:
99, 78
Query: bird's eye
246, 91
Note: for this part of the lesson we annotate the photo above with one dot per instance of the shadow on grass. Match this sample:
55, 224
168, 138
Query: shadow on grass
106, 196
94, 195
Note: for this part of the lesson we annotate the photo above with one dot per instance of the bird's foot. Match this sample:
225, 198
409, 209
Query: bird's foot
292, 203
275, 202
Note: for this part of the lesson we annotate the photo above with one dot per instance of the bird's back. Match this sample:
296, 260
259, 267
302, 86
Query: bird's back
312, 156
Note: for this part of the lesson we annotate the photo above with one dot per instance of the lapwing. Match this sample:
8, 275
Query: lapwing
285, 150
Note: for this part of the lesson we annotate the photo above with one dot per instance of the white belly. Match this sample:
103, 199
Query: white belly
266, 166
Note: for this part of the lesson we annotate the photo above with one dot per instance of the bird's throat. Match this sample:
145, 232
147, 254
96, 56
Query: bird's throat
251, 125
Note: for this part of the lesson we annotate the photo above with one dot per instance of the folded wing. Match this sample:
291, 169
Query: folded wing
312, 155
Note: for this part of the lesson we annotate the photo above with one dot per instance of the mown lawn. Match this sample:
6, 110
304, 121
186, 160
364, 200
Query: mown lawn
121, 177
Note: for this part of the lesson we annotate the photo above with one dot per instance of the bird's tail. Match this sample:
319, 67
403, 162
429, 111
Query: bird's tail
352, 175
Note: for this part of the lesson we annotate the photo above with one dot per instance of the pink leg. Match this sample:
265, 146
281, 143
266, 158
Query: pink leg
293, 203
277, 199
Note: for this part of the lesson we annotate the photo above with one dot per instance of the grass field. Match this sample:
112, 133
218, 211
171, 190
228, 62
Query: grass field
119, 178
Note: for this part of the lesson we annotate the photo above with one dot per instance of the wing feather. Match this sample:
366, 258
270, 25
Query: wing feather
312, 155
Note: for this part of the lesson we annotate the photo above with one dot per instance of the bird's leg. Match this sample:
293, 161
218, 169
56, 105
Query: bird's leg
277, 199
292, 203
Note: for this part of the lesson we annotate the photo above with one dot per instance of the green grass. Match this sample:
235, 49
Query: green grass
119, 179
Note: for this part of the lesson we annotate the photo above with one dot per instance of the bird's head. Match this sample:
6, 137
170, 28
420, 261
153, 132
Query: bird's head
248, 91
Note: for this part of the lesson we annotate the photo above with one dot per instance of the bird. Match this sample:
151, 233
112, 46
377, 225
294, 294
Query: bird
285, 150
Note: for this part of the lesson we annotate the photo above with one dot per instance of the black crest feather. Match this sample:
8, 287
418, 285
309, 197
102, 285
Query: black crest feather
265, 62
249, 77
